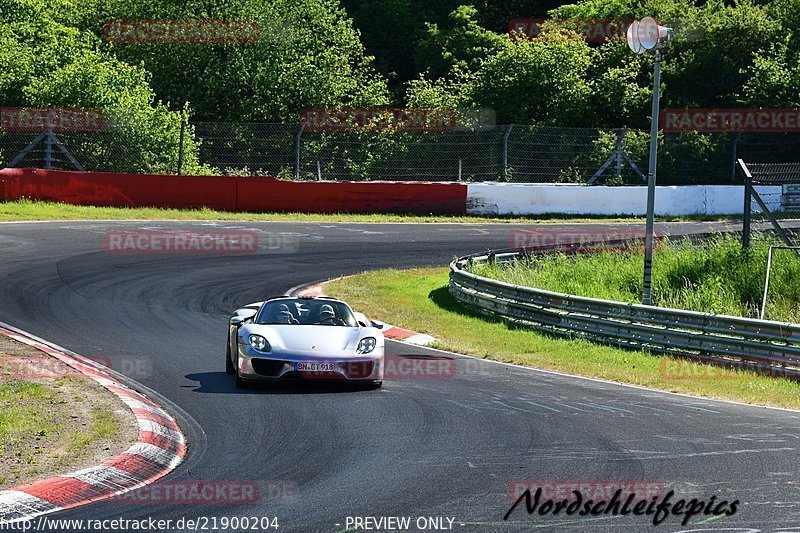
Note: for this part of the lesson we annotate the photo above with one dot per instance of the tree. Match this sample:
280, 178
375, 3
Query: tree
460, 43
307, 55
48, 64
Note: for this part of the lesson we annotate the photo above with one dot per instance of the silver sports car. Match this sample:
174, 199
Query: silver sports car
287, 338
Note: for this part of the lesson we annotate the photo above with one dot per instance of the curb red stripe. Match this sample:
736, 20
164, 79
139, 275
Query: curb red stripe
153, 427
135, 465
398, 333
165, 443
62, 492
160, 447
142, 414
313, 290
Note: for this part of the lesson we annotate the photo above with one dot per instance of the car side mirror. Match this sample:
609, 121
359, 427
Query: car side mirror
376, 324
241, 316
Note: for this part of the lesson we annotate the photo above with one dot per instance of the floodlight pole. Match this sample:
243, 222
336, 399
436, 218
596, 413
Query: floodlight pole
651, 184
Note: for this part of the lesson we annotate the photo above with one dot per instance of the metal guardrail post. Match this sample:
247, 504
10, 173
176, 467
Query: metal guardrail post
735, 154
748, 204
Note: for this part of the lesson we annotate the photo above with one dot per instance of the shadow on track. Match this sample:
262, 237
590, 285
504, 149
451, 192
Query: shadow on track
222, 383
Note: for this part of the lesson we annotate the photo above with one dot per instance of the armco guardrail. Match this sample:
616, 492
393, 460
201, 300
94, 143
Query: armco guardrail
761, 345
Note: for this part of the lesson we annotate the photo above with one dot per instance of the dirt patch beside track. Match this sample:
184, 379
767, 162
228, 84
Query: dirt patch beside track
54, 420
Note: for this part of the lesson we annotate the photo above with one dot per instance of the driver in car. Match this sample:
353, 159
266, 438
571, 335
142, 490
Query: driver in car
285, 316
327, 317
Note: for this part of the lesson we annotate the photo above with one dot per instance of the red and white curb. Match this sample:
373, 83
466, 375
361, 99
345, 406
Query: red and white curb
389, 331
160, 447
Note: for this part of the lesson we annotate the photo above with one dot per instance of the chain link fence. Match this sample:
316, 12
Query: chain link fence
772, 200
512, 153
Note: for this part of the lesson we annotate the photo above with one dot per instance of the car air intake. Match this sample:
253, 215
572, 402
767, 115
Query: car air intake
267, 367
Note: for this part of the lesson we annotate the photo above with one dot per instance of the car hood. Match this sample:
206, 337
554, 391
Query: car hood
312, 340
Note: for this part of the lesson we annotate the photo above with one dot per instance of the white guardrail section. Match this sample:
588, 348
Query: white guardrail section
761, 345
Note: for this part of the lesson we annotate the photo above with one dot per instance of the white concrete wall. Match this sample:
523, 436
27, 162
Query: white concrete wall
535, 199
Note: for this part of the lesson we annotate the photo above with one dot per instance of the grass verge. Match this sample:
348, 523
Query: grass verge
418, 299
714, 276
34, 210
54, 420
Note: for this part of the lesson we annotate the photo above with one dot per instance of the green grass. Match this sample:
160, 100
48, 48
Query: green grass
34, 210
418, 299
715, 276
105, 425
21, 405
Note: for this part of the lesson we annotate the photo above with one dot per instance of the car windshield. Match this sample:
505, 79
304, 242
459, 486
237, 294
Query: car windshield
307, 312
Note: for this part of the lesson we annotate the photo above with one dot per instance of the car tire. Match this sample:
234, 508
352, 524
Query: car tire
229, 368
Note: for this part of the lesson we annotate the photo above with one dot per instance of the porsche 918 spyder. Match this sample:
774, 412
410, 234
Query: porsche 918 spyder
287, 338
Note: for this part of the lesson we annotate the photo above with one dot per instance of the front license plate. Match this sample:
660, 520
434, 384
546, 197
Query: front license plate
314, 367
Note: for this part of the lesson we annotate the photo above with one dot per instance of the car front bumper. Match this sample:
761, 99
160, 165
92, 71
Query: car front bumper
257, 366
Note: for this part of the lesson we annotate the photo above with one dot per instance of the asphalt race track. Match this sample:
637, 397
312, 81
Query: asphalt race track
430, 448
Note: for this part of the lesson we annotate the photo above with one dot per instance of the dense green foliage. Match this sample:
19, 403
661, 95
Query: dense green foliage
364, 53
717, 276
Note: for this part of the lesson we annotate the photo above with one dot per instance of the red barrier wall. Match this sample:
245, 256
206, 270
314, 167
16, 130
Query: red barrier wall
231, 193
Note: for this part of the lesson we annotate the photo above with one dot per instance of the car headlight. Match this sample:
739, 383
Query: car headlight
259, 343
366, 345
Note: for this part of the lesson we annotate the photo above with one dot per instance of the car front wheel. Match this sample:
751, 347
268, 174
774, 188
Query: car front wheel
229, 368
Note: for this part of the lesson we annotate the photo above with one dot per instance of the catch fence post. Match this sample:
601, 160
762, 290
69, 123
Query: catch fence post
297, 142
505, 150
180, 146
